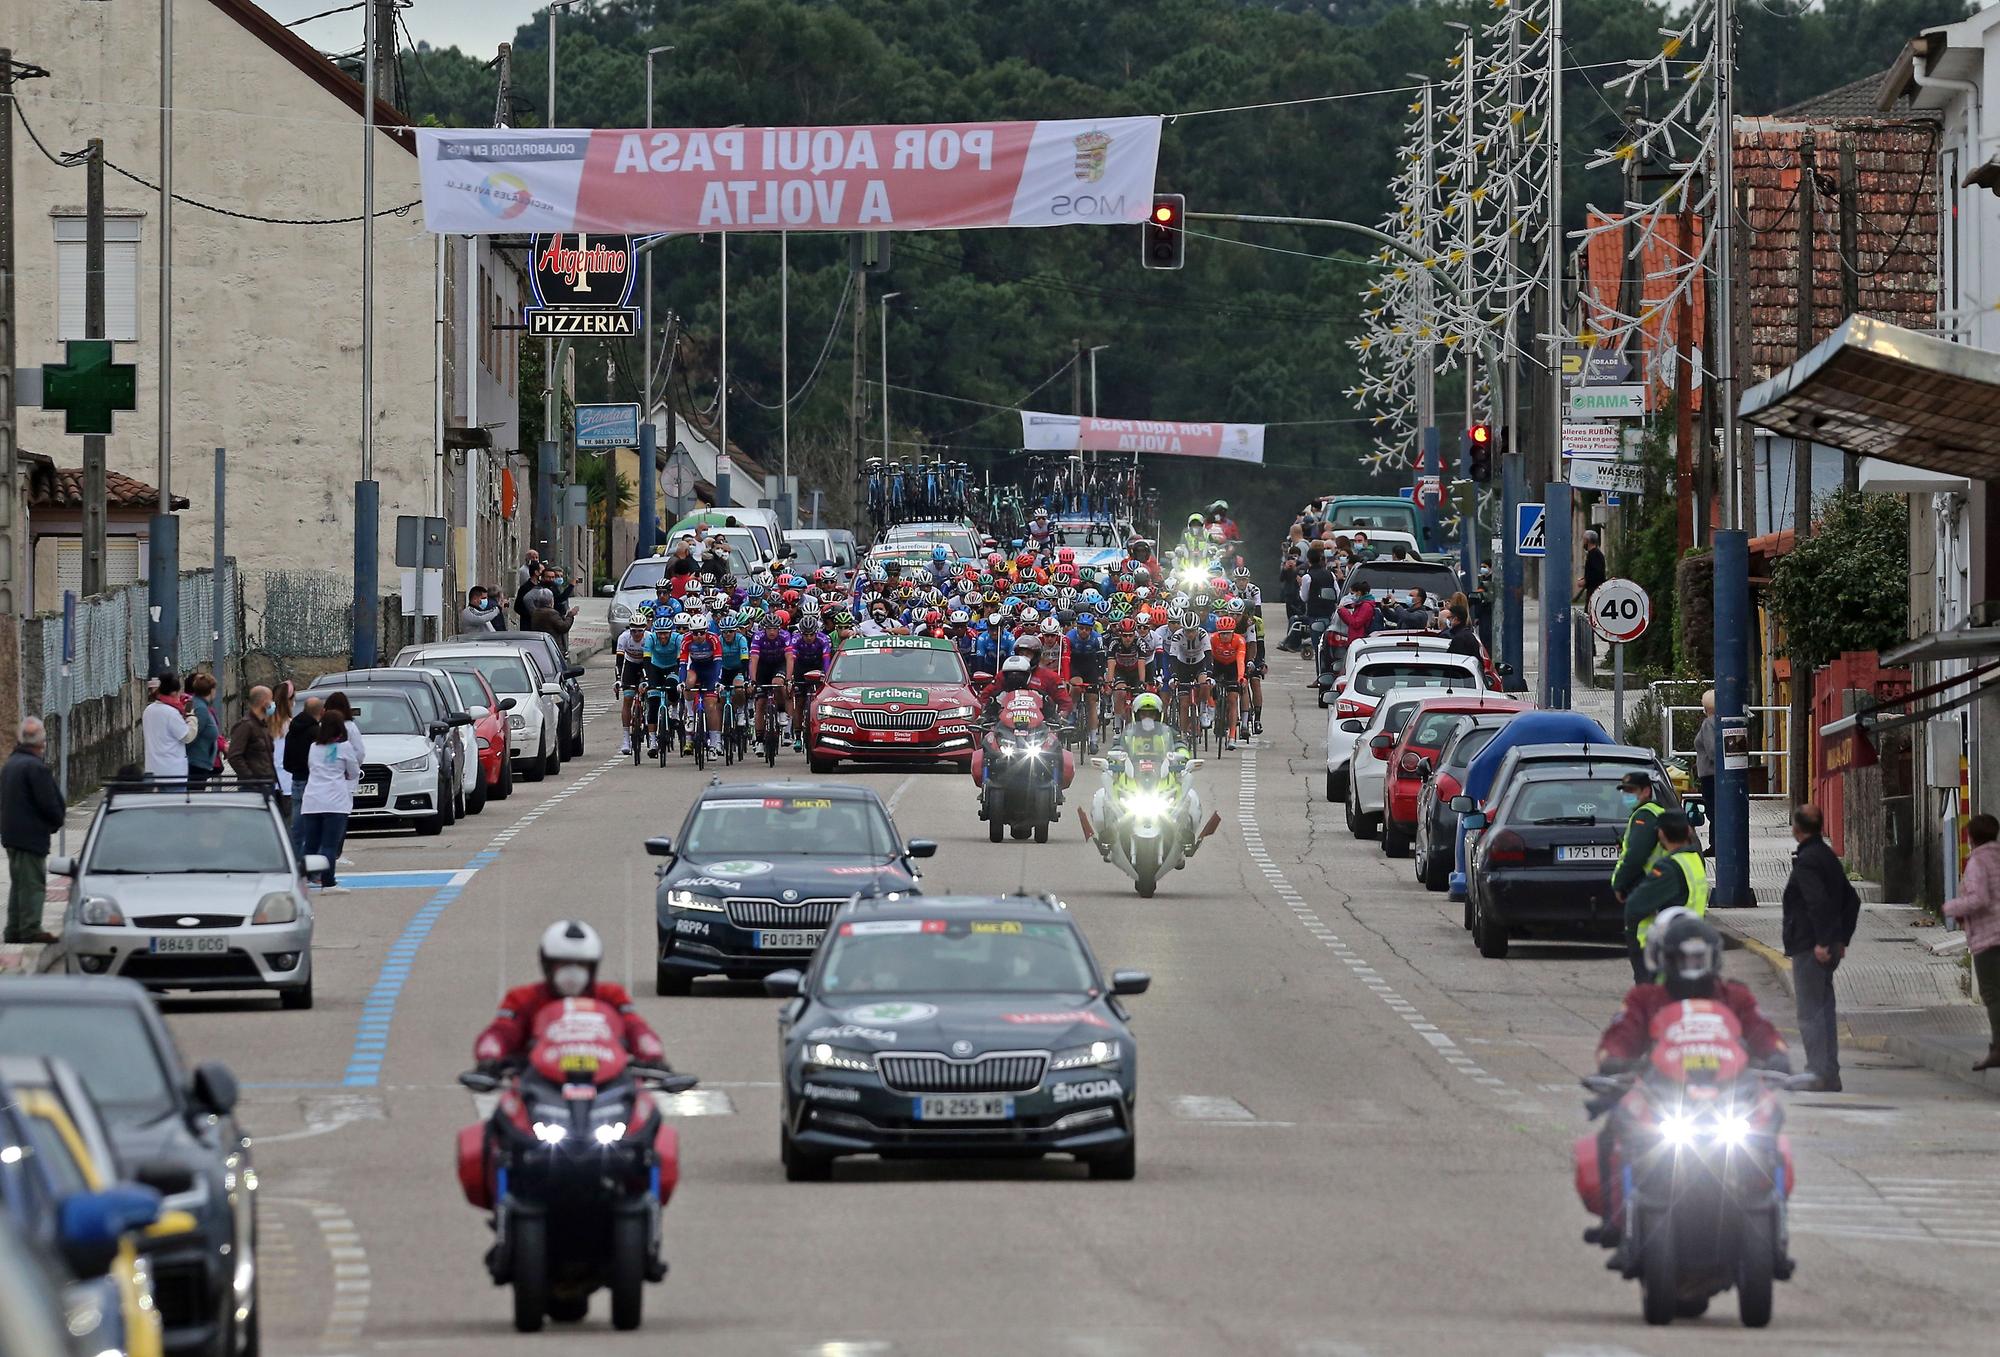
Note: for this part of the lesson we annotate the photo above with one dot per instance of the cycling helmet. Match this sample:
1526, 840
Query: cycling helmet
570, 954
782, 619
1051, 627
960, 617
809, 621
663, 622
1194, 520
1029, 643
1127, 627
663, 586
1067, 555
1226, 624
1685, 953
1030, 616
1235, 608
1085, 620
1242, 572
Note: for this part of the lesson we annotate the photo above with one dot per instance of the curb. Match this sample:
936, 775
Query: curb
1771, 956
1939, 1057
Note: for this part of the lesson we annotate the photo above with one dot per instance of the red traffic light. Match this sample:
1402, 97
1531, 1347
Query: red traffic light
1482, 434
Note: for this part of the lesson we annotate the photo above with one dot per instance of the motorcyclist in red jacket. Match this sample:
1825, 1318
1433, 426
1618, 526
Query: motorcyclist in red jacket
570, 954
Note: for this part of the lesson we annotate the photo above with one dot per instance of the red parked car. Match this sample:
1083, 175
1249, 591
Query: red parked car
1414, 755
489, 726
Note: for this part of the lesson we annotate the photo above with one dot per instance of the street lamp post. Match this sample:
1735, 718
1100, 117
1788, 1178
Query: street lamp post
547, 482
1094, 350
887, 297
648, 439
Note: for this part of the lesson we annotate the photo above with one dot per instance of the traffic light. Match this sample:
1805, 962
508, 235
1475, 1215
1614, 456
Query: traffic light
1479, 453
1164, 245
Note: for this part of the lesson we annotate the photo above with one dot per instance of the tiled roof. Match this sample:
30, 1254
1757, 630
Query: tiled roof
1855, 99
61, 487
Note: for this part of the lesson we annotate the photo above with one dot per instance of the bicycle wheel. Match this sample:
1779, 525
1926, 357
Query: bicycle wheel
698, 736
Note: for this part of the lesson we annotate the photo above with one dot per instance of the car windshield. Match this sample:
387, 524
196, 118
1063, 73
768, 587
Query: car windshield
107, 1044
469, 691
644, 574
1385, 577
187, 837
808, 553
1469, 744
503, 672
1365, 517
1565, 800
385, 693
955, 956
1436, 728
908, 664
1378, 679
761, 827
1398, 716
385, 714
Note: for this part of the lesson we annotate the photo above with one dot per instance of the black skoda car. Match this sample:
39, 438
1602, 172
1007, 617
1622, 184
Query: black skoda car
758, 870
956, 1025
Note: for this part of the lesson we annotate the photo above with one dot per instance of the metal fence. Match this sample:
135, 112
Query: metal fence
1769, 732
299, 613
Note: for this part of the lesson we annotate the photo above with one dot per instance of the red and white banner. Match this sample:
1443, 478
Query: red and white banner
1044, 432
884, 178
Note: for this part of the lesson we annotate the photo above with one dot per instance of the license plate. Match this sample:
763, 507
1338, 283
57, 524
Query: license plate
1587, 852
965, 1107
902, 737
788, 939
369, 789
185, 944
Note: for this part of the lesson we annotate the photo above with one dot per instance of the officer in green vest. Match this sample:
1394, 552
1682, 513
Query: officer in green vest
1678, 878
1639, 851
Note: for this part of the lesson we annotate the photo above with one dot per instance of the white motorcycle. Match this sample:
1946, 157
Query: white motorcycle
1143, 818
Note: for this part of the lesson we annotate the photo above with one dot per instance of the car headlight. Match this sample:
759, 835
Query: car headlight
416, 765
550, 1133
689, 900
516, 721
279, 907
955, 713
820, 1056
1150, 804
1083, 1057
100, 911
610, 1133
620, 613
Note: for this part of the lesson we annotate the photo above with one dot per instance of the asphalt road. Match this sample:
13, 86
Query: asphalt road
1354, 1132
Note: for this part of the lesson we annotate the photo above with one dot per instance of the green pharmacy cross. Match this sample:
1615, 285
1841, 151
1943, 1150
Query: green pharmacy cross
88, 386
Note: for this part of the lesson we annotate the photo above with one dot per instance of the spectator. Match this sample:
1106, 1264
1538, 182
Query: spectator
558, 586
329, 795
1704, 754
204, 752
1360, 549
338, 708
682, 569
544, 616
251, 748
530, 571
296, 760
1977, 907
1416, 615
31, 809
1821, 910
481, 612
1360, 613
1482, 604
277, 724
1464, 640
1398, 552
1585, 638
168, 729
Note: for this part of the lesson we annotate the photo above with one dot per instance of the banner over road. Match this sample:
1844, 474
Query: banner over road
1045, 432
921, 177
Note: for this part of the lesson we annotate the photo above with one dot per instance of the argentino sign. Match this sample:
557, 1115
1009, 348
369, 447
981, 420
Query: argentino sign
937, 176
582, 284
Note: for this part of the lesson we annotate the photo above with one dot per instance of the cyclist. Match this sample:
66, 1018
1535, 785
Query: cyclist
1127, 657
1188, 664
769, 656
662, 601
662, 659
1230, 657
809, 652
631, 673
1251, 600
1086, 661
701, 665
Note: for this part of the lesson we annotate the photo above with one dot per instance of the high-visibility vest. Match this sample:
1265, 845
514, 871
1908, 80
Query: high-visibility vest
1696, 903
1652, 810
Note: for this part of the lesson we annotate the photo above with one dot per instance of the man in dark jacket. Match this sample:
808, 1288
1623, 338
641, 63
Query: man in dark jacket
31, 809
1821, 911
1461, 638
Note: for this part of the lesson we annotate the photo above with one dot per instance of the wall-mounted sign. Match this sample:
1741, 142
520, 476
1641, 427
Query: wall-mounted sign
582, 284
607, 426
1607, 402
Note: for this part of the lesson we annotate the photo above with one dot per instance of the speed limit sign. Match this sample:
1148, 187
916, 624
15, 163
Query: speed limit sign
1620, 611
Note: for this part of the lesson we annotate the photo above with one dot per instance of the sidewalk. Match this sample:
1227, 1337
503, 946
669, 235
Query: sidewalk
19, 959
1903, 988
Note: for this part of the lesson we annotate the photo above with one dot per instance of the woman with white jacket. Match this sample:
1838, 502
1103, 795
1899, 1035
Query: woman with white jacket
335, 761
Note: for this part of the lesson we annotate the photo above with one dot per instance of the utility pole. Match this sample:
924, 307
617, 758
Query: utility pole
367, 491
785, 495
883, 306
1850, 278
1558, 568
1512, 592
648, 438
1427, 336
163, 546
93, 328
1468, 526
503, 98
10, 654
549, 454
1095, 349
385, 54
857, 388
1076, 376
1799, 739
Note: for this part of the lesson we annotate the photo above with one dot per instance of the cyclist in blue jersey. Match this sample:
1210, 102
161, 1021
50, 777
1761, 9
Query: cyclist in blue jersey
662, 664
701, 665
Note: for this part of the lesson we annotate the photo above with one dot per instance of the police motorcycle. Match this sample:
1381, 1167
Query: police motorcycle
1143, 818
1020, 768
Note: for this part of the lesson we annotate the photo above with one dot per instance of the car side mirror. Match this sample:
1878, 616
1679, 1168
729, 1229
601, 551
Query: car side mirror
461, 718
1461, 805
505, 704
1475, 820
1324, 682
661, 847
167, 1177
1503, 668
62, 865
1353, 727
214, 1088
1425, 767
551, 690
89, 1225
606, 590
1192, 764
783, 984
1130, 982
1101, 765
574, 671
316, 864
479, 713
921, 848
440, 727
1380, 742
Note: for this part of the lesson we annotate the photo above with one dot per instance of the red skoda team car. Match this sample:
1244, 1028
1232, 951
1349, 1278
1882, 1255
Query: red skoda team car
1415, 753
895, 699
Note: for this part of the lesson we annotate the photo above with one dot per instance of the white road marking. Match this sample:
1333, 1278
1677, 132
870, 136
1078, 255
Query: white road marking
1919, 1210
897, 795
1357, 965
330, 1112
1196, 1108
352, 1285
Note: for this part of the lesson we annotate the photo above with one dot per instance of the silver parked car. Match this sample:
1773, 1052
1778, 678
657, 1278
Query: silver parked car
192, 889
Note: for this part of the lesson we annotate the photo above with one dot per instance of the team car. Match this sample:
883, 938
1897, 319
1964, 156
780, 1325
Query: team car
896, 699
970, 1026
758, 871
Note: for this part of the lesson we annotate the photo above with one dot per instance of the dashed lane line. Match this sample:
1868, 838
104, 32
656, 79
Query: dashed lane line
1253, 842
352, 1284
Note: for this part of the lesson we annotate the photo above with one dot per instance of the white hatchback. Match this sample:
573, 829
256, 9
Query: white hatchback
1368, 774
1358, 692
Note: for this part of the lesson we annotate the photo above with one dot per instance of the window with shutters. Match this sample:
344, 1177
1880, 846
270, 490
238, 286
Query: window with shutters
121, 278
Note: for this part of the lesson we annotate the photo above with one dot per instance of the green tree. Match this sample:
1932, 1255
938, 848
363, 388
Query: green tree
1843, 587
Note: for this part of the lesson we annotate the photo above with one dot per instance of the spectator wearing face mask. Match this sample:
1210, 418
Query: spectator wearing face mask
482, 611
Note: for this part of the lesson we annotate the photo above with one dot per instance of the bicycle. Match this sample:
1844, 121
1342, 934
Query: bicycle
767, 722
697, 725
635, 725
736, 722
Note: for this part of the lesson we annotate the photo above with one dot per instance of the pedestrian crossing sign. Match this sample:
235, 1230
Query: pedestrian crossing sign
1530, 538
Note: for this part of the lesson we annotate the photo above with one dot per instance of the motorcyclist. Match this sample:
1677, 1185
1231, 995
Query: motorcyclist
1016, 673
570, 953
1147, 737
1686, 954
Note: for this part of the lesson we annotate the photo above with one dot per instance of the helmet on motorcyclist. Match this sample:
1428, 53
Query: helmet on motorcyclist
1148, 711
570, 953
1014, 672
1685, 953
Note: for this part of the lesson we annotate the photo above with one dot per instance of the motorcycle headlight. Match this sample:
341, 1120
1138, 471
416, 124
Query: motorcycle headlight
279, 907
1677, 1130
610, 1133
1732, 1130
820, 1056
550, 1133
100, 911
1083, 1057
1147, 803
417, 765
689, 900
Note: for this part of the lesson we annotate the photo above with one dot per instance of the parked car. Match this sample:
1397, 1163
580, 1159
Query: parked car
528, 701
567, 738
1437, 822
168, 1122
436, 699
1362, 687
1369, 773
1535, 727
190, 888
1415, 754
827, 546
33, 1322
489, 723
1542, 864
